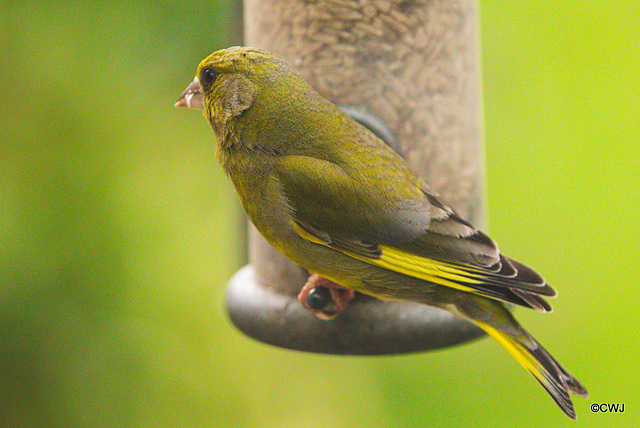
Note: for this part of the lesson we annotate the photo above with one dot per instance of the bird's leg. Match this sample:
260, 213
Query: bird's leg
324, 298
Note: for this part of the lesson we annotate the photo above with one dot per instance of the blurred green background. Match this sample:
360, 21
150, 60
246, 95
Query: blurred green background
118, 231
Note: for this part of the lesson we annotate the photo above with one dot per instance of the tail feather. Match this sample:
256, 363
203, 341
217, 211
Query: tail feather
537, 361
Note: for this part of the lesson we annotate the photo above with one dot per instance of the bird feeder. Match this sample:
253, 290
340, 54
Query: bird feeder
409, 71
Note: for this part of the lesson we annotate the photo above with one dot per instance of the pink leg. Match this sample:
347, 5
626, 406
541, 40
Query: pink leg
336, 300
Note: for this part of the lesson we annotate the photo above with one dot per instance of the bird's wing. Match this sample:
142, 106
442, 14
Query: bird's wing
403, 228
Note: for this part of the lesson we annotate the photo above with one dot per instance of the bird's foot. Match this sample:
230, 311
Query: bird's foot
324, 298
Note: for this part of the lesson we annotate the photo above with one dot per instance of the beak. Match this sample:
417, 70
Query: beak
191, 97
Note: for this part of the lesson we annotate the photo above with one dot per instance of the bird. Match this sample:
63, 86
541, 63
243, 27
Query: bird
335, 199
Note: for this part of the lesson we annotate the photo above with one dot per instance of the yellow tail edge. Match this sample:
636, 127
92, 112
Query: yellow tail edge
542, 366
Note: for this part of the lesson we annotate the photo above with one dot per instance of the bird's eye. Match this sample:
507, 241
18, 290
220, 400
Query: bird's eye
208, 76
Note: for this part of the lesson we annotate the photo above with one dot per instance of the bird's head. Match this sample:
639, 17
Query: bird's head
228, 81
256, 102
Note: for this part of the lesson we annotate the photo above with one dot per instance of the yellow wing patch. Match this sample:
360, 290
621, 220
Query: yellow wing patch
419, 267
396, 260
308, 235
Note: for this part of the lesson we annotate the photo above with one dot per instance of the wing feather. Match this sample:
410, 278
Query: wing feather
419, 236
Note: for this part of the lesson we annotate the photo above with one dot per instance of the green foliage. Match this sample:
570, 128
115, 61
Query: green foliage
118, 232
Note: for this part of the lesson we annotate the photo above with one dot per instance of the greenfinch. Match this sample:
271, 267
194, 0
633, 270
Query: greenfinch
335, 199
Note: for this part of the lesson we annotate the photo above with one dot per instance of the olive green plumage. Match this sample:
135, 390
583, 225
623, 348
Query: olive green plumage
335, 199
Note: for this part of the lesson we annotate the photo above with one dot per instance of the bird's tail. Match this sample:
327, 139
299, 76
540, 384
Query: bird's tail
503, 327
